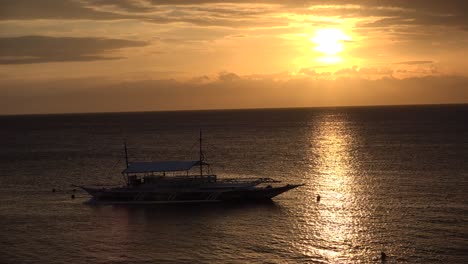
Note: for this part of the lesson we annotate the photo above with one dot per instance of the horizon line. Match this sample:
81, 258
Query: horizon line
232, 109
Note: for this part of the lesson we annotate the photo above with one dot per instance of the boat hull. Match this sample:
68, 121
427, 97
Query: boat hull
255, 194
145, 196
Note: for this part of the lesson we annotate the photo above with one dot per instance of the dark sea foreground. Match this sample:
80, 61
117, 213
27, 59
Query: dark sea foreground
391, 179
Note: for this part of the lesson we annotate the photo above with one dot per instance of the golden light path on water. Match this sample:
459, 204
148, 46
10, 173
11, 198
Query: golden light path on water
332, 228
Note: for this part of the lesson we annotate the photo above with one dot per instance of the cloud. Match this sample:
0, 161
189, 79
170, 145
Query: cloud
347, 71
220, 14
308, 71
127, 5
413, 62
272, 34
40, 49
51, 9
368, 72
200, 79
375, 71
79, 95
421, 13
242, 13
228, 77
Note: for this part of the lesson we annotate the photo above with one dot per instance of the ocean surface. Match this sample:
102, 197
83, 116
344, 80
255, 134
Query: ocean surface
391, 179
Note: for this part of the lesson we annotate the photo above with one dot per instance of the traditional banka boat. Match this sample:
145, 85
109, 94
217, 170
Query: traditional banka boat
176, 182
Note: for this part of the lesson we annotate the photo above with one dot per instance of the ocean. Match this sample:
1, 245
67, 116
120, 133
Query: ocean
391, 179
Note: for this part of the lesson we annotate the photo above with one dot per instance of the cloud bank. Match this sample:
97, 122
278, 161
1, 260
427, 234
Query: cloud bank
226, 91
41, 49
234, 13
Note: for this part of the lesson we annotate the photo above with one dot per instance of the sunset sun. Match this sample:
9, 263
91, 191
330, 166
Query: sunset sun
329, 41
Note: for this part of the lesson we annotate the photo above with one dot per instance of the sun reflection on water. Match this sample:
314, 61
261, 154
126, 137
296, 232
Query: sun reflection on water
332, 227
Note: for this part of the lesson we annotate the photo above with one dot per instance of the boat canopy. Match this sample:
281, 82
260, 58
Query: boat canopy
161, 166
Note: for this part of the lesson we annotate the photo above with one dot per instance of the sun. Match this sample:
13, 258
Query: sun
329, 41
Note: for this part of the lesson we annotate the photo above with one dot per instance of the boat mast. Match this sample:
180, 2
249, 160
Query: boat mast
126, 153
201, 155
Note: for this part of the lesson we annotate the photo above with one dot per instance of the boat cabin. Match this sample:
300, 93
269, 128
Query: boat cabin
165, 172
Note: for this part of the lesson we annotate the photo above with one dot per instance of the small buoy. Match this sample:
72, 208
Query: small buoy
383, 256
318, 197
53, 189
73, 196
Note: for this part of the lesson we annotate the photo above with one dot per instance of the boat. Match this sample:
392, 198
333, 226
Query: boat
183, 182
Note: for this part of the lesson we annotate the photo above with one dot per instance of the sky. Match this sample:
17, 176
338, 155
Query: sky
63, 56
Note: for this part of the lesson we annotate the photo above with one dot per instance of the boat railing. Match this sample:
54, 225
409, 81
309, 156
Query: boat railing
213, 178
181, 176
209, 178
247, 180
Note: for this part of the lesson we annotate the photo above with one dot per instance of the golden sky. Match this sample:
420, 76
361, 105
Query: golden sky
134, 55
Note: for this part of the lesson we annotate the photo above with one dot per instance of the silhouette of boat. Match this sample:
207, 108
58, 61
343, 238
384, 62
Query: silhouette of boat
176, 182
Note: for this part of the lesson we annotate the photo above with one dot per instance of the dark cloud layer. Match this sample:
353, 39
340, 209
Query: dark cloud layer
389, 12
39, 49
414, 62
51, 9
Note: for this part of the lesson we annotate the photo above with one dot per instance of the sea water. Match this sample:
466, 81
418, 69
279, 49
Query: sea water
391, 179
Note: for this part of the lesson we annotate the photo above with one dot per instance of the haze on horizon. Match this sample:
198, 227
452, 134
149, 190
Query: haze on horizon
60, 56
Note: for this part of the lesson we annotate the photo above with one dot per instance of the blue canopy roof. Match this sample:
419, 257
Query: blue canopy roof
161, 166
